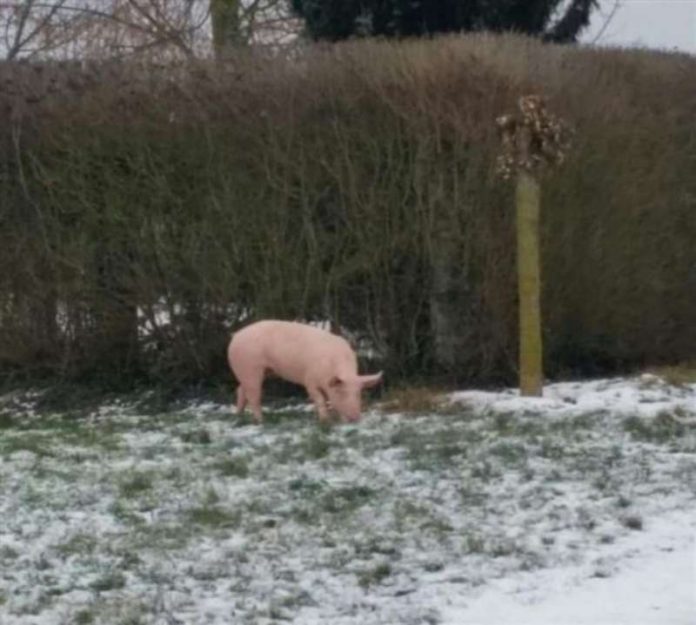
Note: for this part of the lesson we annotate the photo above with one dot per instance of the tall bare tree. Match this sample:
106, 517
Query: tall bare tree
225, 15
166, 29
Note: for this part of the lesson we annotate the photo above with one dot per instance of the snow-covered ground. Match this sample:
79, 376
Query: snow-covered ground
573, 509
653, 583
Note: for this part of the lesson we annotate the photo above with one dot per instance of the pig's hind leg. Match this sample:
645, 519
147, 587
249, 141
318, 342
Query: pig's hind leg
241, 399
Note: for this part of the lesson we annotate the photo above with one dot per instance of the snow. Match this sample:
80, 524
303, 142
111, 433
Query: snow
654, 584
645, 396
571, 509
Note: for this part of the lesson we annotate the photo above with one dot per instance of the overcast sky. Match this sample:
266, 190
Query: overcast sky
668, 24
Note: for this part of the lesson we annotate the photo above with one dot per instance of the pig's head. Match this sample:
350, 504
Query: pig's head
345, 392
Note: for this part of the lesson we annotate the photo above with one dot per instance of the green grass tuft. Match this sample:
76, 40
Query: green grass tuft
79, 544
111, 580
84, 617
347, 499
659, 429
214, 517
233, 467
374, 575
197, 437
135, 483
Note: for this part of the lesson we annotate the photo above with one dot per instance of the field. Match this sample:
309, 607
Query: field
128, 515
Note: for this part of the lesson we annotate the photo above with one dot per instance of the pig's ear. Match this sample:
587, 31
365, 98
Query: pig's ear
335, 381
368, 381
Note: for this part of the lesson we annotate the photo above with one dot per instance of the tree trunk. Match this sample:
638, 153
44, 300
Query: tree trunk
45, 326
528, 208
226, 27
450, 322
115, 315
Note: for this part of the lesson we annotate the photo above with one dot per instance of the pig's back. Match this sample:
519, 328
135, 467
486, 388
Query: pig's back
290, 349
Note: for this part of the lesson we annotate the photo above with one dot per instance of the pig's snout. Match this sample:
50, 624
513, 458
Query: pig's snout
344, 393
350, 415
344, 397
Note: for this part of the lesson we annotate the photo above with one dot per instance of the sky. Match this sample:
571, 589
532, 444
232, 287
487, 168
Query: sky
666, 24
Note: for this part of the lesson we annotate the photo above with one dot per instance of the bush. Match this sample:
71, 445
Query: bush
149, 211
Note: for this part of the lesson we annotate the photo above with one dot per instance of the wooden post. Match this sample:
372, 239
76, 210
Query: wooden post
529, 284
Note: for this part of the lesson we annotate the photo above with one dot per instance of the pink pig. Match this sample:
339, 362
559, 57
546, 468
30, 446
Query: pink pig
320, 361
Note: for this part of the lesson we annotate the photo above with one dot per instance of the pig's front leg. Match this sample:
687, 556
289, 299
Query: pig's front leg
317, 396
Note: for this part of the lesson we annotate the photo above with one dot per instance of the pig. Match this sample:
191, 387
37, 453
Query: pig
322, 362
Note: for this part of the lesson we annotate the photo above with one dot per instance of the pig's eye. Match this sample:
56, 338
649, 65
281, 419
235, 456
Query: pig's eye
336, 382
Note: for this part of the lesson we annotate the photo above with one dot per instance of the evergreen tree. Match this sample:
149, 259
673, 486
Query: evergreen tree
553, 20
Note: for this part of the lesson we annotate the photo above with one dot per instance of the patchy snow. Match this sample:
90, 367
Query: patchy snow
645, 396
576, 508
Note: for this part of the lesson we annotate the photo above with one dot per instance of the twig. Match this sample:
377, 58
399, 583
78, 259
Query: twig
618, 4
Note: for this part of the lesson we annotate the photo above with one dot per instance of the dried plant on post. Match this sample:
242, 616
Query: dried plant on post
532, 142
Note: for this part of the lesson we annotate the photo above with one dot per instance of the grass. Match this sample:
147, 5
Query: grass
374, 575
111, 580
275, 418
438, 449
197, 437
78, 545
510, 452
357, 505
413, 400
121, 510
305, 445
316, 445
163, 537
676, 375
376, 545
135, 483
347, 499
8, 553
233, 467
659, 429
37, 443
211, 516
306, 486
84, 617
632, 522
